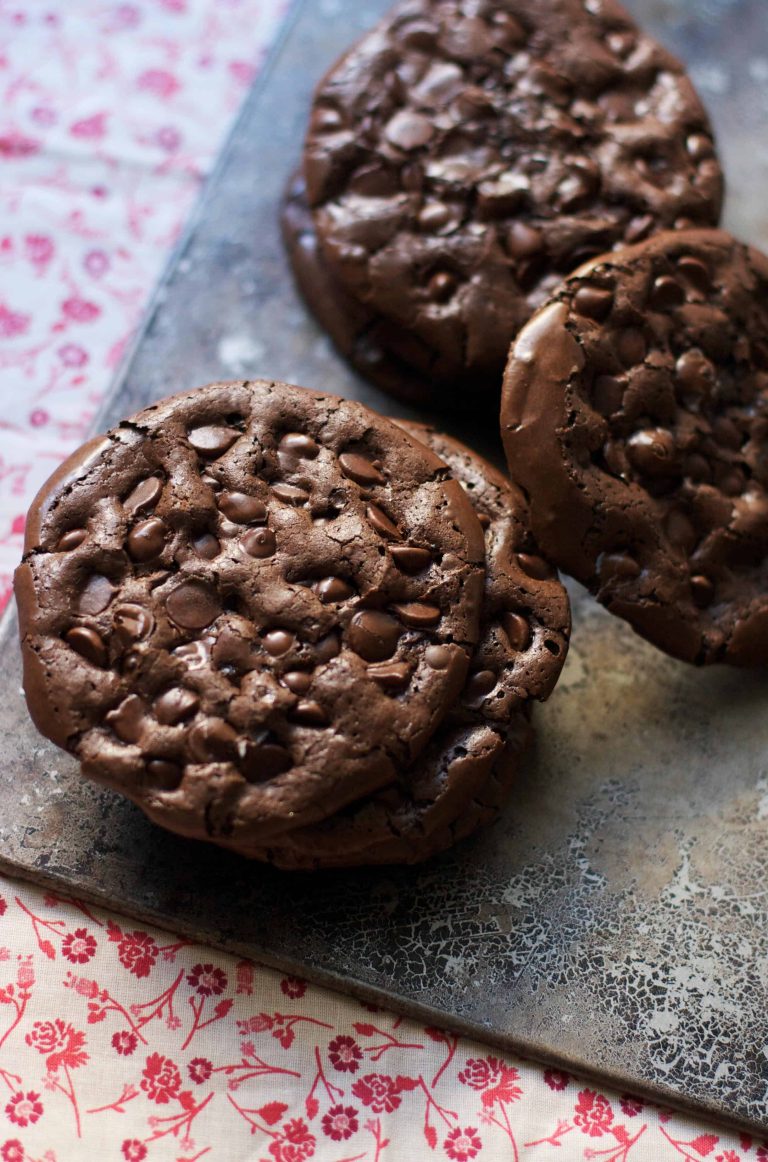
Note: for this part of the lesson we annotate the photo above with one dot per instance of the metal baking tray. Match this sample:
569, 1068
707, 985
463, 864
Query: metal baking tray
615, 922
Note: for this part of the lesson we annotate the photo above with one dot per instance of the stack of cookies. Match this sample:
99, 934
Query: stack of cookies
284, 623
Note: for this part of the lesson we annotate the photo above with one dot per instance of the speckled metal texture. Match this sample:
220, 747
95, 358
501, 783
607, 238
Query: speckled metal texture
616, 920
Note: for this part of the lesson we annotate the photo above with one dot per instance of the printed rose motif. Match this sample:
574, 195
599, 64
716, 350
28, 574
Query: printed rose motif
340, 1123
90, 128
133, 1150
461, 1145
73, 355
124, 1042
293, 987
160, 1079
159, 82
79, 946
12, 1151
17, 145
593, 1113
244, 978
96, 262
728, 1156
3, 905
24, 1109
59, 1042
295, 1143
380, 1092
12, 323
136, 951
199, 1070
556, 1079
207, 980
168, 138
480, 1072
39, 249
631, 1106
80, 310
345, 1054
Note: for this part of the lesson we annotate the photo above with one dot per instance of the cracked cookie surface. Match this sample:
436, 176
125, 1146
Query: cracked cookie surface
247, 606
462, 157
635, 416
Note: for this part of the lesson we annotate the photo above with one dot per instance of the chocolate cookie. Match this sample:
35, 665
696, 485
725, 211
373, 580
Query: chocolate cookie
461, 157
464, 778
247, 606
635, 416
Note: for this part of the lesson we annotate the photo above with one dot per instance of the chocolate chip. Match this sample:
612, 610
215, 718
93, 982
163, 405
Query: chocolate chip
608, 394
88, 643
437, 657
144, 496
212, 740
517, 630
278, 642
523, 240
652, 451
631, 346
127, 720
379, 521
327, 648
71, 539
360, 469
680, 531
665, 293
390, 675
212, 440
96, 595
264, 761
290, 493
618, 566
535, 566
373, 635
480, 684
436, 216
164, 774
695, 372
593, 301
297, 681
259, 543
308, 713
699, 146
300, 445
241, 508
695, 273
194, 655
132, 623
206, 546
418, 614
410, 558
408, 130
702, 590
332, 589
146, 540
442, 286
193, 605
175, 705
638, 228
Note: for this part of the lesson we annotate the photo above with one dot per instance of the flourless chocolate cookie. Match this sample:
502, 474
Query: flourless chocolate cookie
464, 778
247, 606
461, 157
635, 416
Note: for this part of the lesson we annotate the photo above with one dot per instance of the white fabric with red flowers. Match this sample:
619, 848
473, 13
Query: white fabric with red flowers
121, 1044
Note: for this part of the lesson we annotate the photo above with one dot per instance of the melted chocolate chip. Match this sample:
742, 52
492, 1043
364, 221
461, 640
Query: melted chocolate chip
127, 720
297, 681
259, 543
517, 630
132, 623
212, 440
418, 614
382, 523
71, 540
360, 469
278, 642
593, 301
193, 605
212, 741
264, 761
308, 713
96, 595
666, 292
290, 494
300, 445
144, 496
535, 566
175, 705
332, 589
146, 540
241, 508
480, 684
327, 648
164, 775
390, 675
373, 635
410, 558
206, 546
88, 643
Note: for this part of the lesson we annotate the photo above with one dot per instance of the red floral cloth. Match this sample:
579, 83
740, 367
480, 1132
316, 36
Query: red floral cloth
124, 1043
118, 1043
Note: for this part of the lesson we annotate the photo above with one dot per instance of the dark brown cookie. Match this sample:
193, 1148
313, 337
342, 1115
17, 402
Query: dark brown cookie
463, 779
635, 416
462, 157
247, 606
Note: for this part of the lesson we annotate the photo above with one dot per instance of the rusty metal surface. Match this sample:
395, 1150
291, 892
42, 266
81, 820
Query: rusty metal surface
616, 921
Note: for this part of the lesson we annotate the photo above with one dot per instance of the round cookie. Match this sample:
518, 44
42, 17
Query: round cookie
463, 779
247, 606
635, 417
462, 157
